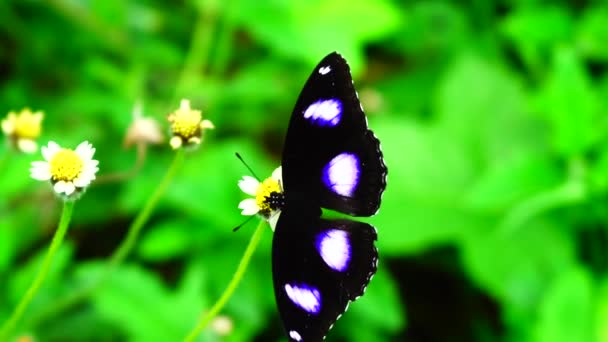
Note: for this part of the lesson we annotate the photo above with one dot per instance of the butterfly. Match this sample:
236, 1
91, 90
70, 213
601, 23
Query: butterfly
330, 160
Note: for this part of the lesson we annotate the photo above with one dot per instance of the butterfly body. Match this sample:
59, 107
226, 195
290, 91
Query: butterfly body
330, 160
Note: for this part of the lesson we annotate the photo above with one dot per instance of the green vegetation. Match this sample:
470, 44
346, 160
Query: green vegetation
493, 121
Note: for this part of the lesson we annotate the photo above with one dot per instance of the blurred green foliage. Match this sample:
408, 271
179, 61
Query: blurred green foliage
492, 117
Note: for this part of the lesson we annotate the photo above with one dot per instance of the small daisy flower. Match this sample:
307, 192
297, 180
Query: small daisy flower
70, 172
144, 130
268, 197
187, 126
23, 129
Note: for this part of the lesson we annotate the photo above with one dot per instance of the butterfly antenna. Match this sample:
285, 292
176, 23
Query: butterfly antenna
242, 224
247, 166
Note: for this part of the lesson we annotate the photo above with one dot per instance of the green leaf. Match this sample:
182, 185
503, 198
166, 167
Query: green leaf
22, 278
428, 178
319, 27
506, 184
7, 245
566, 311
491, 121
570, 105
138, 303
592, 33
421, 36
535, 30
518, 268
166, 240
380, 308
601, 321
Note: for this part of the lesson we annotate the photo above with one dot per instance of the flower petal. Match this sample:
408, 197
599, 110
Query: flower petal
49, 151
277, 174
175, 142
40, 171
249, 207
206, 124
27, 145
272, 220
68, 188
8, 126
59, 187
85, 150
81, 181
249, 185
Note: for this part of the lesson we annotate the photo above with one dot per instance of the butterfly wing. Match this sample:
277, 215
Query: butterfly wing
318, 267
330, 157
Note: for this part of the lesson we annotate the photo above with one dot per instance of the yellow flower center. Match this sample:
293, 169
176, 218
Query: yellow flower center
66, 165
266, 188
186, 122
27, 125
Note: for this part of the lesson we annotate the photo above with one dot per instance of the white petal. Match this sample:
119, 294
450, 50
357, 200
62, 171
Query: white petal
249, 207
277, 175
40, 170
27, 145
90, 169
92, 163
59, 187
40, 165
49, 151
8, 127
249, 185
69, 188
206, 124
82, 182
175, 142
85, 150
272, 220
40, 175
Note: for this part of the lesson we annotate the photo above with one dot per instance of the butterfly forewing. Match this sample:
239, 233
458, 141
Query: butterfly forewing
330, 156
318, 267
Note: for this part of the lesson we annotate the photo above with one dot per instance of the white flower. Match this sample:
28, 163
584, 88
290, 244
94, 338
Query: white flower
268, 196
70, 172
23, 129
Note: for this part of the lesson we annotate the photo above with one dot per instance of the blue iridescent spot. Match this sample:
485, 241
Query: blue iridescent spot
324, 112
341, 174
334, 247
306, 297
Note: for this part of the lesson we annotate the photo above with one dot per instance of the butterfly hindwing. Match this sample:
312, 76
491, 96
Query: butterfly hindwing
330, 156
318, 267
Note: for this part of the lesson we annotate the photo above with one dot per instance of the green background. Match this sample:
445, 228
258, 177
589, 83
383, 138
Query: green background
492, 118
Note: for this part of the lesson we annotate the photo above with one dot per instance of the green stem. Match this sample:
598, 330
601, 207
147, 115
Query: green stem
120, 253
66, 215
133, 233
236, 279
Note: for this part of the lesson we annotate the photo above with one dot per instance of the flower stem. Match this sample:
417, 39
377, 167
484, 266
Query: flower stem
133, 233
120, 253
236, 279
66, 215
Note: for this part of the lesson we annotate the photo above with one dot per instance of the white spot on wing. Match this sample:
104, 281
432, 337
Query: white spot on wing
334, 247
324, 70
306, 297
295, 335
341, 174
324, 112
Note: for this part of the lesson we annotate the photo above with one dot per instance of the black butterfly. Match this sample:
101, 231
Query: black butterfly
330, 160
